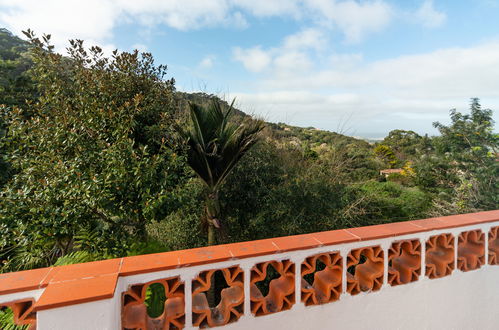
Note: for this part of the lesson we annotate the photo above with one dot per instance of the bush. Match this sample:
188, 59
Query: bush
181, 228
380, 202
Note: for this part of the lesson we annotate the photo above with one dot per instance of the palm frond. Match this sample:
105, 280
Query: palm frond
76, 257
216, 143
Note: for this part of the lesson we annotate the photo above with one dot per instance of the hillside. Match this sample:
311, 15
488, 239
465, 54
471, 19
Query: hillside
16, 86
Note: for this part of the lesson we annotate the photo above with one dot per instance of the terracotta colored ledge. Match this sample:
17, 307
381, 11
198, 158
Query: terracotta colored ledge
25, 280
73, 284
78, 291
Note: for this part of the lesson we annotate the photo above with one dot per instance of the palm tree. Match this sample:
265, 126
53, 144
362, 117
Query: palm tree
216, 145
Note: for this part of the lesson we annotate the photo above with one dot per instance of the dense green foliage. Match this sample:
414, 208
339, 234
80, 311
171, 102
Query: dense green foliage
94, 158
16, 86
463, 168
93, 164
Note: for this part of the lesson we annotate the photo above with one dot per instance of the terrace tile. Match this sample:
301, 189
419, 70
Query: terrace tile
24, 280
85, 270
298, 242
335, 237
253, 248
77, 291
385, 230
148, 263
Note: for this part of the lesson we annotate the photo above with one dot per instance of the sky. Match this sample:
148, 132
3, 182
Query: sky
361, 68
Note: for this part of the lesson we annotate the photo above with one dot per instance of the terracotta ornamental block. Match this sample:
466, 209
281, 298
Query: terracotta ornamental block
471, 250
23, 312
404, 262
272, 287
365, 268
321, 280
494, 246
134, 314
439, 255
231, 305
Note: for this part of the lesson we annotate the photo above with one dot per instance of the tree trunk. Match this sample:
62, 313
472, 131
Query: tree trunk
212, 215
211, 234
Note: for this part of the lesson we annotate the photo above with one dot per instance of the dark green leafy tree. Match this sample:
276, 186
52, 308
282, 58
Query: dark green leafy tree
215, 146
95, 160
463, 170
5, 168
406, 145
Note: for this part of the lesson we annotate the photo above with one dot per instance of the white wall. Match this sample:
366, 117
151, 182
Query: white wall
97, 315
463, 300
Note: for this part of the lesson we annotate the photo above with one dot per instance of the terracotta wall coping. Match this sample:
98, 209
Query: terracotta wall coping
73, 284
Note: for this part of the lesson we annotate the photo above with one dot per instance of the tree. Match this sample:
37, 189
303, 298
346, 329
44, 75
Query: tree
216, 146
469, 135
406, 145
386, 155
464, 168
95, 158
274, 192
4, 165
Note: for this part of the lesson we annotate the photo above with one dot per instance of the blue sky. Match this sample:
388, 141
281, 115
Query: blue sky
359, 67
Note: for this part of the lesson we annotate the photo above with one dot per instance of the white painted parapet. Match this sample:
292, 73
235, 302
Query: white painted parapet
438, 273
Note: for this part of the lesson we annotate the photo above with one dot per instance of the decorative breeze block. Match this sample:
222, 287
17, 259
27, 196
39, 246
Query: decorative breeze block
281, 290
471, 250
326, 284
231, 305
404, 262
439, 255
494, 246
23, 312
135, 315
365, 269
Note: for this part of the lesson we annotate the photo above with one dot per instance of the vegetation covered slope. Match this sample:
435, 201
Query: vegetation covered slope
93, 165
15, 84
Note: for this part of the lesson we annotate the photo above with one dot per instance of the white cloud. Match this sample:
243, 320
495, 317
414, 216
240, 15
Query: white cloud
355, 19
345, 61
307, 38
292, 61
140, 47
442, 73
266, 8
238, 20
254, 59
207, 62
428, 16
179, 14
97, 19
89, 20
301, 75
293, 55
408, 92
